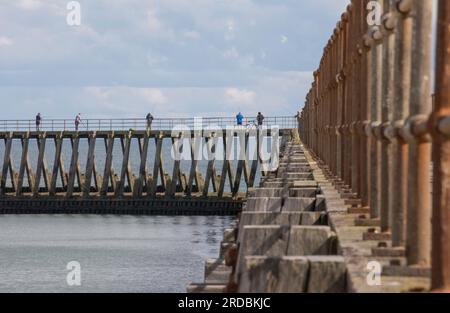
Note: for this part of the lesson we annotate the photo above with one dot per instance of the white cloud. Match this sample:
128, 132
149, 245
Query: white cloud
232, 53
153, 96
191, 34
240, 96
5, 41
284, 39
231, 29
153, 22
154, 60
29, 4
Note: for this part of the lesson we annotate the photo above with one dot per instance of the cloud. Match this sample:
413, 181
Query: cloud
173, 57
231, 53
5, 41
154, 24
153, 96
240, 96
29, 4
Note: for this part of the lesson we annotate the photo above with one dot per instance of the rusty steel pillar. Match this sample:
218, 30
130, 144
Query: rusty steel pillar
376, 72
348, 108
387, 118
339, 100
418, 243
342, 128
353, 99
401, 112
440, 123
365, 110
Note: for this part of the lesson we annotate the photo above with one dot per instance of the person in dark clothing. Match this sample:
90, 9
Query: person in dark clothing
149, 119
38, 121
260, 119
77, 121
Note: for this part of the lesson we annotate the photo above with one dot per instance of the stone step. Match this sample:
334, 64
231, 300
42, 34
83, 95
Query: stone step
279, 241
277, 204
284, 218
206, 288
293, 274
216, 272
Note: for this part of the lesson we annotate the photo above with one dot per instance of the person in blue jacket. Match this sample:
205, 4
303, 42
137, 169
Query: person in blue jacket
239, 118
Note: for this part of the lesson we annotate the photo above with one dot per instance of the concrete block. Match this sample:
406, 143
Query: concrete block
216, 272
313, 218
274, 275
270, 240
206, 288
229, 235
264, 204
327, 274
298, 204
268, 192
303, 192
305, 184
264, 218
312, 240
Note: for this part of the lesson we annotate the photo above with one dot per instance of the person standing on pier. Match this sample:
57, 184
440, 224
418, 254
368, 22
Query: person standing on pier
260, 119
38, 121
239, 119
77, 121
149, 119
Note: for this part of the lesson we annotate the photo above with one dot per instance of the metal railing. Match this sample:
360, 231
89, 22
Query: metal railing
370, 122
283, 122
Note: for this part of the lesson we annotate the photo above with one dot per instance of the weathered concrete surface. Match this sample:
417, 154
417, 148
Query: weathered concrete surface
298, 235
283, 218
274, 275
311, 240
293, 274
264, 204
327, 274
216, 272
206, 288
357, 252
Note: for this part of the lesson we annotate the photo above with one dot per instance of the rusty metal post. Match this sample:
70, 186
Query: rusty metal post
419, 214
366, 80
343, 99
402, 96
348, 112
441, 155
375, 112
387, 117
354, 92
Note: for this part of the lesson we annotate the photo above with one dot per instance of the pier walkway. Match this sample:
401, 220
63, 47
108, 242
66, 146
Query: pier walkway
206, 171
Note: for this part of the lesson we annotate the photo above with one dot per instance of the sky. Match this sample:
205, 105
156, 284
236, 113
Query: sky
174, 58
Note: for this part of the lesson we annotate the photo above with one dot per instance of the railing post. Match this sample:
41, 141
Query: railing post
441, 156
387, 142
376, 72
419, 214
401, 112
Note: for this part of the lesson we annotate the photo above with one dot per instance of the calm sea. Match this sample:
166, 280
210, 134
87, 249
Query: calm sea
115, 253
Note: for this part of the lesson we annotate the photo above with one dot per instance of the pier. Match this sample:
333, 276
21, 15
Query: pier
360, 202
69, 188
